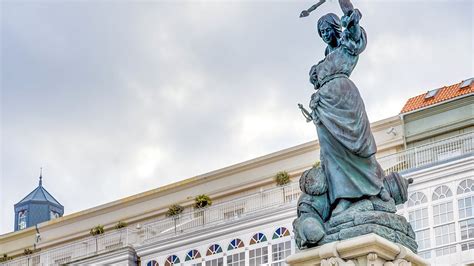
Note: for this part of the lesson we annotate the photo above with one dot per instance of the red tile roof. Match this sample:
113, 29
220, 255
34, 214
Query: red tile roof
443, 94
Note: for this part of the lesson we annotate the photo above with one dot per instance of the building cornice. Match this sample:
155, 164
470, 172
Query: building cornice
386, 123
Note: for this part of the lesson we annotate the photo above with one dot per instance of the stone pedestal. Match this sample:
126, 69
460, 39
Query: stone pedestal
364, 250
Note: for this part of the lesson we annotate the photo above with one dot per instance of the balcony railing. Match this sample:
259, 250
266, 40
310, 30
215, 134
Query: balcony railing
165, 228
258, 203
265, 201
427, 154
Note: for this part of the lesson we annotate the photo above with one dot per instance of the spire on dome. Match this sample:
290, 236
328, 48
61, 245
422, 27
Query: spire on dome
41, 177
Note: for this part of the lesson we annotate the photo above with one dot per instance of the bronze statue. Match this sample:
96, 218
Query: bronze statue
347, 146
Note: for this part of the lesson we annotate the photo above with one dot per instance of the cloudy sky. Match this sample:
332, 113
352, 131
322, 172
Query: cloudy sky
113, 98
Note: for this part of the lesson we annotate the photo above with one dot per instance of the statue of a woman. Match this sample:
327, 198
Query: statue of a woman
347, 195
346, 141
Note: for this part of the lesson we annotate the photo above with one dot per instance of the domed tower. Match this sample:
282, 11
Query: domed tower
37, 207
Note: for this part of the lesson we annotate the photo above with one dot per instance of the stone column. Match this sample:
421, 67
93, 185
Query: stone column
370, 249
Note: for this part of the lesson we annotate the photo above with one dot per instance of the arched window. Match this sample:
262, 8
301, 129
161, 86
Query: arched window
213, 249
216, 260
22, 219
192, 254
466, 186
259, 255
442, 212
235, 243
466, 204
171, 260
441, 192
152, 263
416, 198
419, 218
280, 250
236, 258
53, 215
258, 238
280, 232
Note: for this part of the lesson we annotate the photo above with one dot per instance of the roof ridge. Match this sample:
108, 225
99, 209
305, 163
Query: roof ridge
42, 192
27, 195
49, 194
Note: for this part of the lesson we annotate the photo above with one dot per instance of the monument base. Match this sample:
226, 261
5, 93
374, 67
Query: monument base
364, 250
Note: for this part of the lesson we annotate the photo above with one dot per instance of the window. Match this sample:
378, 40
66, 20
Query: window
425, 255
258, 256
467, 246
416, 198
233, 213
466, 83
419, 218
466, 186
443, 213
280, 232
258, 238
423, 239
441, 192
53, 215
235, 243
171, 260
431, 93
192, 254
455, 149
290, 197
445, 251
152, 263
22, 219
213, 249
215, 262
62, 261
445, 234
237, 259
466, 207
279, 253
467, 229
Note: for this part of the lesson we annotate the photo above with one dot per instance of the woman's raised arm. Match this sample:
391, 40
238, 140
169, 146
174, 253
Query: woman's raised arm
351, 19
346, 6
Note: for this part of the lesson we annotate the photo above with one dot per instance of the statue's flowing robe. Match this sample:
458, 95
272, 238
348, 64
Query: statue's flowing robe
346, 141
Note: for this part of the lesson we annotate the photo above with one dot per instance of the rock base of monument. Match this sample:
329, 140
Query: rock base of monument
320, 223
364, 250
370, 216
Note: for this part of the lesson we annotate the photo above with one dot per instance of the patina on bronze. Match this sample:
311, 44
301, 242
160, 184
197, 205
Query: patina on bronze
359, 198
